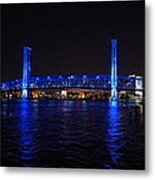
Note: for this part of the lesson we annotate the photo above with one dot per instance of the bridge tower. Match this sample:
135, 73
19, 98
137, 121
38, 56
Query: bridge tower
114, 93
26, 70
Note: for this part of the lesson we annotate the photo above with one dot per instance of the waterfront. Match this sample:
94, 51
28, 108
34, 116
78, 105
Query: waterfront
73, 134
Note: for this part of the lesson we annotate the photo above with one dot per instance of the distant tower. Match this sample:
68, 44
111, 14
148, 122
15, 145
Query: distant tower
26, 70
114, 94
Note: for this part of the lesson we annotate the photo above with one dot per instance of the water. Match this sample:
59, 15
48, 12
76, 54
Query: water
72, 134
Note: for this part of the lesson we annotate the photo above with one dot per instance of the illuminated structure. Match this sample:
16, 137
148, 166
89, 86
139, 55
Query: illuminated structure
26, 70
138, 85
114, 83
111, 83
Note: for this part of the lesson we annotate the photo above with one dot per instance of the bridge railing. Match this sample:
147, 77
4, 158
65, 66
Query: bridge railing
75, 81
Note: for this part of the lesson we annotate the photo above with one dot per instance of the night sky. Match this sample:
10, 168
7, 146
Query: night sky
72, 38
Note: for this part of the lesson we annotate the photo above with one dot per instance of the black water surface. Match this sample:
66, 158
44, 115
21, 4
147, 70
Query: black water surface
72, 134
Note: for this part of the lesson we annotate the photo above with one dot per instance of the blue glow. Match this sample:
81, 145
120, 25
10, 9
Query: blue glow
111, 82
26, 136
26, 70
28, 129
114, 94
24, 93
115, 135
91, 81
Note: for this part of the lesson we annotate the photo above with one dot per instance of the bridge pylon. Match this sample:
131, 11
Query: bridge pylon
114, 79
26, 70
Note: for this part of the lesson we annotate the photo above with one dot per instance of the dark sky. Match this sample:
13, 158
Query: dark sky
72, 37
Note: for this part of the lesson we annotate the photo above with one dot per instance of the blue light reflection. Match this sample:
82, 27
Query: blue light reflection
114, 140
27, 133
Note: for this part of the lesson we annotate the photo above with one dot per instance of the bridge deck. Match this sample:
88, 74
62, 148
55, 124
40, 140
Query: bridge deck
75, 81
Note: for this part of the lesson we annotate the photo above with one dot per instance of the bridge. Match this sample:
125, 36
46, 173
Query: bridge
84, 82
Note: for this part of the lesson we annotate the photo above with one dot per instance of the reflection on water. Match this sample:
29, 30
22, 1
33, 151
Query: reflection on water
114, 143
27, 133
78, 134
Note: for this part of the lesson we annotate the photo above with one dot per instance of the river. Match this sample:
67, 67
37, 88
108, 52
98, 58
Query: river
72, 134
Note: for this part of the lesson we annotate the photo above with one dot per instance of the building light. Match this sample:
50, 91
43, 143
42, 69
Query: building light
64, 93
10, 95
83, 96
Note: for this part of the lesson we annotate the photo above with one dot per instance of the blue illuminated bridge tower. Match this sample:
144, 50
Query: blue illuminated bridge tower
114, 78
96, 84
26, 70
